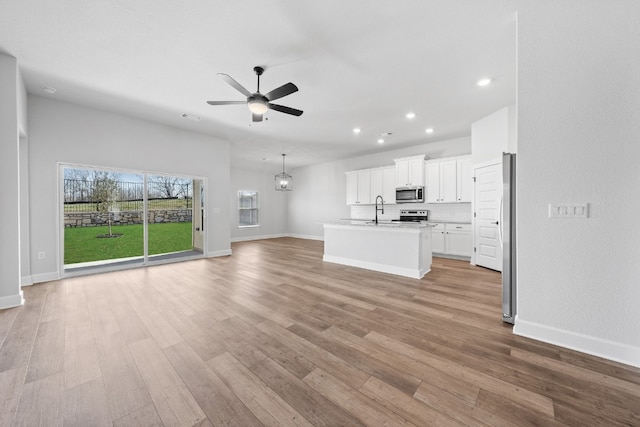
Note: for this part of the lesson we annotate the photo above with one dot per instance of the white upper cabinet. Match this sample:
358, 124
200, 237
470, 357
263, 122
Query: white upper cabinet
390, 184
445, 180
464, 181
383, 183
364, 187
410, 171
352, 188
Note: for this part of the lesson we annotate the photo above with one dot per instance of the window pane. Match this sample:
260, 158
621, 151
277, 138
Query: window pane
247, 208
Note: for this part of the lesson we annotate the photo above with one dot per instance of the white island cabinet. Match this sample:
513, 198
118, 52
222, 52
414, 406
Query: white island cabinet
404, 250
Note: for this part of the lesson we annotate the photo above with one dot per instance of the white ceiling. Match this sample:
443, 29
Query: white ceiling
362, 63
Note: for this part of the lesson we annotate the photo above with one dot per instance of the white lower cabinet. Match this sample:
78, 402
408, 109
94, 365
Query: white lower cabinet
451, 239
437, 238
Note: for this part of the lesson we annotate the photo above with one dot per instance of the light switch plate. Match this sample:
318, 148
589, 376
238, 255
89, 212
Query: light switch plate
569, 210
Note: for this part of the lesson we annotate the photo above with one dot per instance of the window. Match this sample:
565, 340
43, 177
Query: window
248, 208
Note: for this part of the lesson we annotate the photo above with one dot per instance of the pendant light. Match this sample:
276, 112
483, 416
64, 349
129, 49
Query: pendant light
284, 182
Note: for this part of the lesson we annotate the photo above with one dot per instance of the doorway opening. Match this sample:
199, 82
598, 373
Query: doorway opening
115, 219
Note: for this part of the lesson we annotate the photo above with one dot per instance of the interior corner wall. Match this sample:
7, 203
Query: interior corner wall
10, 293
578, 130
61, 132
272, 212
319, 193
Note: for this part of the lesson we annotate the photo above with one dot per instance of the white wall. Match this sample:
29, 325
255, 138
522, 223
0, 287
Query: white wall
10, 82
69, 133
319, 194
493, 135
271, 205
579, 141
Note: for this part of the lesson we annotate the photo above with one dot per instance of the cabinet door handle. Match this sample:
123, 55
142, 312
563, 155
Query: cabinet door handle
495, 222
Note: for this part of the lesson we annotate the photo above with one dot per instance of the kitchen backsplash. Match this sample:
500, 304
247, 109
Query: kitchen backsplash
437, 212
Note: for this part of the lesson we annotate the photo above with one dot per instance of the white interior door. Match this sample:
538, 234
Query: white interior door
488, 195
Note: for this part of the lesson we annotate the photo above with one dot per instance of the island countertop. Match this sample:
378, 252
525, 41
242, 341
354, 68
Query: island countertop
397, 248
384, 224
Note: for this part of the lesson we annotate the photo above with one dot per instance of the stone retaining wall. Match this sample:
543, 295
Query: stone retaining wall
94, 219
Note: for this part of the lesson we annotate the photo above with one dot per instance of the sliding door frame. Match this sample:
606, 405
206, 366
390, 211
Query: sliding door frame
146, 261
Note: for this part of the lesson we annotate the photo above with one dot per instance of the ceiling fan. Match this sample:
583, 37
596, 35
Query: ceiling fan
258, 103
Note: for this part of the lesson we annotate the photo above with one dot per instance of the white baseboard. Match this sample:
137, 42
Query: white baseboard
305, 236
266, 236
26, 281
45, 277
406, 272
11, 301
618, 352
213, 254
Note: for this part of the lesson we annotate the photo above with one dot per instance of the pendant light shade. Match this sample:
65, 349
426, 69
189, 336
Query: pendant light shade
284, 182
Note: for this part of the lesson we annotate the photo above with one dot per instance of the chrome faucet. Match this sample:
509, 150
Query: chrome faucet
381, 209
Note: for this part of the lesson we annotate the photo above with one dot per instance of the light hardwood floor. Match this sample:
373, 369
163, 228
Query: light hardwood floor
273, 336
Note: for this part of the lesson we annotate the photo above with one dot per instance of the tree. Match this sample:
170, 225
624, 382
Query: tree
105, 193
169, 187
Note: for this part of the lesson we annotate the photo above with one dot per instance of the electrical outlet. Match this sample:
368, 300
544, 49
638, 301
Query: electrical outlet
42, 255
569, 210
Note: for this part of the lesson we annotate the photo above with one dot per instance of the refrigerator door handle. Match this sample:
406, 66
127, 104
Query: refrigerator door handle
501, 220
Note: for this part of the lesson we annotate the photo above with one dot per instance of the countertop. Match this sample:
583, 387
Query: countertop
381, 224
435, 221
386, 221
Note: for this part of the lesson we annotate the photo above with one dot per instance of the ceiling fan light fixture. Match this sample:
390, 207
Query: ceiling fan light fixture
257, 105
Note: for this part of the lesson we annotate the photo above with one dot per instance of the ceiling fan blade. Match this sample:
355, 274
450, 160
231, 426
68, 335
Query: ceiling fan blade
226, 102
227, 78
286, 110
257, 117
283, 90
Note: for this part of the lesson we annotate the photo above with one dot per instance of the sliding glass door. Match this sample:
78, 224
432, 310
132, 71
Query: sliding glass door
112, 218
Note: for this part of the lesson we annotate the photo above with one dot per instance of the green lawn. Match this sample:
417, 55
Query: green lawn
82, 245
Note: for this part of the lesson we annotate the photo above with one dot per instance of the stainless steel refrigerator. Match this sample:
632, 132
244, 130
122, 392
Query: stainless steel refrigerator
508, 237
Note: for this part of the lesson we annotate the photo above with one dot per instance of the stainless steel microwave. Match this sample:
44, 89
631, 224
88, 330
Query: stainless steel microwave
410, 194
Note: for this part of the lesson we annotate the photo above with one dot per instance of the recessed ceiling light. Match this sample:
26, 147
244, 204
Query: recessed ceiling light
429, 130
356, 130
380, 141
50, 90
484, 82
410, 115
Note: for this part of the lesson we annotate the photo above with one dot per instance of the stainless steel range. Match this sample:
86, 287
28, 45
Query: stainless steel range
412, 216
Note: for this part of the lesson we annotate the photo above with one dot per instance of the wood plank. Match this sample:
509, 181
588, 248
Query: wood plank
81, 362
266, 405
406, 406
175, 404
360, 360
147, 416
126, 390
11, 382
86, 405
18, 342
47, 357
519, 395
313, 406
219, 403
353, 401
41, 402
318, 356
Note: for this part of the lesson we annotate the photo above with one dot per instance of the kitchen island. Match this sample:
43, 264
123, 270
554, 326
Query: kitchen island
402, 249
